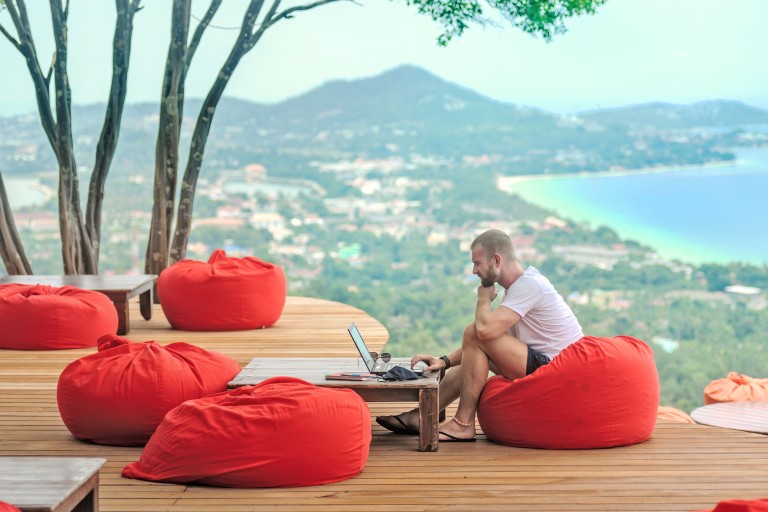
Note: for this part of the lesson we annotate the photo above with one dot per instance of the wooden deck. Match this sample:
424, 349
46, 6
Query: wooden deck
682, 467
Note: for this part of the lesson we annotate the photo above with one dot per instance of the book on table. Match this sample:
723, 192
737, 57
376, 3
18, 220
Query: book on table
350, 376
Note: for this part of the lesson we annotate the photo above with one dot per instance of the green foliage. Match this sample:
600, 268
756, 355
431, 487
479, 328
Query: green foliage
256, 241
544, 18
717, 276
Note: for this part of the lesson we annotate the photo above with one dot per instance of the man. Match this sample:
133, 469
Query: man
530, 327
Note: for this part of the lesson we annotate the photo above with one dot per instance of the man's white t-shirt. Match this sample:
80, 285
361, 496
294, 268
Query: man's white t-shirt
546, 323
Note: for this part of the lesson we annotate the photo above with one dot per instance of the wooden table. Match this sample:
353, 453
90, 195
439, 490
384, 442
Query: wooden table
313, 370
52, 484
119, 288
747, 416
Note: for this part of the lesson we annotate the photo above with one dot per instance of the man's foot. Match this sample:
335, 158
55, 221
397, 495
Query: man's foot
455, 431
405, 423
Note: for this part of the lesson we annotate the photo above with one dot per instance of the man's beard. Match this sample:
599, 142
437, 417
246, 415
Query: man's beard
488, 279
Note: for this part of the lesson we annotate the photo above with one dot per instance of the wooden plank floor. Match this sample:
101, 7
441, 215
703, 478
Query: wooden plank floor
682, 467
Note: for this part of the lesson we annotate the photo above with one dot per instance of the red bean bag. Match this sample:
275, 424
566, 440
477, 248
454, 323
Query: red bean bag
740, 506
736, 388
284, 432
225, 294
40, 317
119, 395
598, 393
7, 507
673, 414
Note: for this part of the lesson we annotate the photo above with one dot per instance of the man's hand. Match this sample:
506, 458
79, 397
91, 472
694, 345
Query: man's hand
486, 293
433, 363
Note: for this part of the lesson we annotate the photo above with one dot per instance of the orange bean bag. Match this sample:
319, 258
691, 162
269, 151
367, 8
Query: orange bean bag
119, 395
41, 317
736, 388
673, 414
597, 393
283, 432
225, 294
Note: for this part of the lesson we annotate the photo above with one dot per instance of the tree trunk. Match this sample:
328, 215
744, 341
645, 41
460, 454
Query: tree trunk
242, 45
168, 138
250, 33
79, 237
76, 249
105, 149
167, 144
11, 248
196, 151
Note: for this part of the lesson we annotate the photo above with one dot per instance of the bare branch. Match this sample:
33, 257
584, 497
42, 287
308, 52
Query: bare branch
23, 15
23, 28
11, 248
10, 37
254, 37
105, 148
198, 35
50, 71
27, 49
287, 13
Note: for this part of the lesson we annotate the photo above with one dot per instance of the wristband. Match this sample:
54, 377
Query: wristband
446, 361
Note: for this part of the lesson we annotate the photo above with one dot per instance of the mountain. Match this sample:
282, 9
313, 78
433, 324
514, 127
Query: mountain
704, 114
399, 113
406, 108
404, 94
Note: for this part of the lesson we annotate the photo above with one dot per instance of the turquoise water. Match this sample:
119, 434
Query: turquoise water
713, 214
23, 191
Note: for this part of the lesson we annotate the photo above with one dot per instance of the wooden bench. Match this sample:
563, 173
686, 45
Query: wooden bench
51, 484
119, 288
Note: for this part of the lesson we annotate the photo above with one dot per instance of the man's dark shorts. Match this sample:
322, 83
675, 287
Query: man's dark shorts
535, 360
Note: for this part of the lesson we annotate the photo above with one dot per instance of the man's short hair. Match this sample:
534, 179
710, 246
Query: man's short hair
495, 241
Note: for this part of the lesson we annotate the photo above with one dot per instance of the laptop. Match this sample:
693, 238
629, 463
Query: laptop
378, 367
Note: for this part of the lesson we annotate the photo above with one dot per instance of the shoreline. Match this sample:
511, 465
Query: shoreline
669, 243
502, 182
28, 192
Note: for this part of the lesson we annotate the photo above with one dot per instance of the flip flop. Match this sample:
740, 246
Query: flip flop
394, 427
454, 439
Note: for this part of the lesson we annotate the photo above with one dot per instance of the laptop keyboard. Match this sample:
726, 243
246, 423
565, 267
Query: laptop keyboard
385, 367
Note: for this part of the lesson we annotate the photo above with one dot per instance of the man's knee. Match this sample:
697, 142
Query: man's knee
470, 334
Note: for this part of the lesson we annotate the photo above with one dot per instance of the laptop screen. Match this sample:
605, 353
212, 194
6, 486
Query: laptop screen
360, 344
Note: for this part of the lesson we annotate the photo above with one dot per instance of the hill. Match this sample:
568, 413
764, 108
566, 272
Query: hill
403, 112
704, 114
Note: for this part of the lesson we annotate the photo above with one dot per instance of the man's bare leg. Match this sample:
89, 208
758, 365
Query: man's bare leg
506, 356
450, 387
475, 366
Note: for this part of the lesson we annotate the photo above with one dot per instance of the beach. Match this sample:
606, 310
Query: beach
696, 214
25, 191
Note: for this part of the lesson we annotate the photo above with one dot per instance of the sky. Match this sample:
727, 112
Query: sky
631, 51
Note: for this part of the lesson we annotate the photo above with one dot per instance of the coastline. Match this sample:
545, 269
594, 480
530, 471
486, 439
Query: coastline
25, 191
665, 213
504, 182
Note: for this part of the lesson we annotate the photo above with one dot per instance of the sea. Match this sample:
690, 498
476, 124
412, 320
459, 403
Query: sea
23, 191
707, 214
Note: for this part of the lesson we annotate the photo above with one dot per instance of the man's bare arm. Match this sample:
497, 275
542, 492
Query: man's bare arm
491, 324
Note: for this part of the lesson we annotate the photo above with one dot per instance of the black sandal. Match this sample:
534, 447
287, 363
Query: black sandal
394, 427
